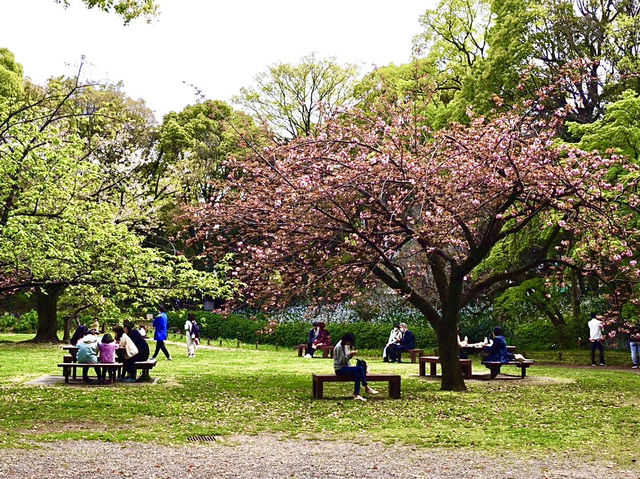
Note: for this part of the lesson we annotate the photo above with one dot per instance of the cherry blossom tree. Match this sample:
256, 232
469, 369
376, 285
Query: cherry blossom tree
375, 198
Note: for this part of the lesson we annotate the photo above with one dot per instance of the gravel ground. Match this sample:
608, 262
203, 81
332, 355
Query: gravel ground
267, 457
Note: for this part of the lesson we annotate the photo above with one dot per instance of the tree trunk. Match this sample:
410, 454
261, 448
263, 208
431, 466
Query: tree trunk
447, 332
575, 296
47, 308
67, 329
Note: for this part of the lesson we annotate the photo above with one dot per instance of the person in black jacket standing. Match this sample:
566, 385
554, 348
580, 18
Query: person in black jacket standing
407, 342
143, 350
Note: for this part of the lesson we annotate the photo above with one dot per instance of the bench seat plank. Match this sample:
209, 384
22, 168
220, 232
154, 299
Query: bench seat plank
67, 368
494, 366
465, 365
394, 381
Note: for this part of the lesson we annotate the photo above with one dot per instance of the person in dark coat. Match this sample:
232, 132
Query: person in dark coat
498, 350
407, 342
143, 350
80, 332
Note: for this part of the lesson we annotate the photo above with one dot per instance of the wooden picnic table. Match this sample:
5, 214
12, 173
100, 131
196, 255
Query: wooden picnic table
473, 349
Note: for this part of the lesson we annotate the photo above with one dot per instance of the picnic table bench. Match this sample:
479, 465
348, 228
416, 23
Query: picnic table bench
465, 364
69, 366
146, 366
414, 353
494, 366
327, 351
320, 379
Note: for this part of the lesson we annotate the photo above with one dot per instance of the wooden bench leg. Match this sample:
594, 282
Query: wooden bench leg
523, 371
325, 353
319, 390
466, 368
394, 389
300, 351
423, 369
432, 369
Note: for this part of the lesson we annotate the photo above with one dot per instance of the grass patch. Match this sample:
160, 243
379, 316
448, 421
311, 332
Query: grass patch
590, 411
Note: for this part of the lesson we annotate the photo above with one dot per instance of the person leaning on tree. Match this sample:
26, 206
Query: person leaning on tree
596, 339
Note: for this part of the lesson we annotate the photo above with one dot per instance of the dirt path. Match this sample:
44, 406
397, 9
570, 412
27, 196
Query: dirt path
267, 457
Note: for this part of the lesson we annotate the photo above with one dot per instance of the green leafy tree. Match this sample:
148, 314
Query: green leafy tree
193, 144
10, 75
293, 99
127, 9
56, 236
485, 47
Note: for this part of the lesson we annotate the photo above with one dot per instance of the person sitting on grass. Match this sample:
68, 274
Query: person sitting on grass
342, 353
107, 355
497, 351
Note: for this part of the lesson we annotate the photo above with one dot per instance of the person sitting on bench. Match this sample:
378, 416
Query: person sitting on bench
497, 351
141, 346
342, 353
394, 336
407, 342
318, 337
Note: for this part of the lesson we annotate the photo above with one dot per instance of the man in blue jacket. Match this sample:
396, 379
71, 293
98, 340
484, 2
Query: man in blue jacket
407, 342
160, 330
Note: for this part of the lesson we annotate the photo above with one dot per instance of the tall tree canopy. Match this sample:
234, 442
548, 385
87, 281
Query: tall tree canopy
55, 231
370, 199
482, 47
127, 9
292, 99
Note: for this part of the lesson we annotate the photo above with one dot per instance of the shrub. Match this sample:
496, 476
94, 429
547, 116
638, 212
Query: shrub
249, 330
23, 323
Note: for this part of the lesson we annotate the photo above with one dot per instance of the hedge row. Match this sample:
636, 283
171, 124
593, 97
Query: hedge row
251, 330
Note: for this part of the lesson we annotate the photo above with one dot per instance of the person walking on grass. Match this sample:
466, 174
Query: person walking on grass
192, 332
160, 331
342, 353
596, 339
634, 345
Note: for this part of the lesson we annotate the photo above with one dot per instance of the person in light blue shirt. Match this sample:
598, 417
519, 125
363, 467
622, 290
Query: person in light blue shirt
160, 332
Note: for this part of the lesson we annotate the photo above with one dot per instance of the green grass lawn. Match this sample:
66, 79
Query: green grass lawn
585, 411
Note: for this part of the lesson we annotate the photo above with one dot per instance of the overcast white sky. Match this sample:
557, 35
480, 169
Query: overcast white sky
217, 45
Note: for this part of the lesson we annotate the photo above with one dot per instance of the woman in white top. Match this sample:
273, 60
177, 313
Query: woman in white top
191, 339
394, 337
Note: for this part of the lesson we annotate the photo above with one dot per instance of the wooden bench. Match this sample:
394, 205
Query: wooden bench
494, 366
327, 351
320, 379
67, 368
146, 366
415, 354
465, 365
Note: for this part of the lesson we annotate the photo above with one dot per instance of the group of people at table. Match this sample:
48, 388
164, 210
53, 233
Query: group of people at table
128, 345
400, 340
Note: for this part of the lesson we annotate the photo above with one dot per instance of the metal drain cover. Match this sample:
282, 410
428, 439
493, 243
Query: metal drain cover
202, 438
